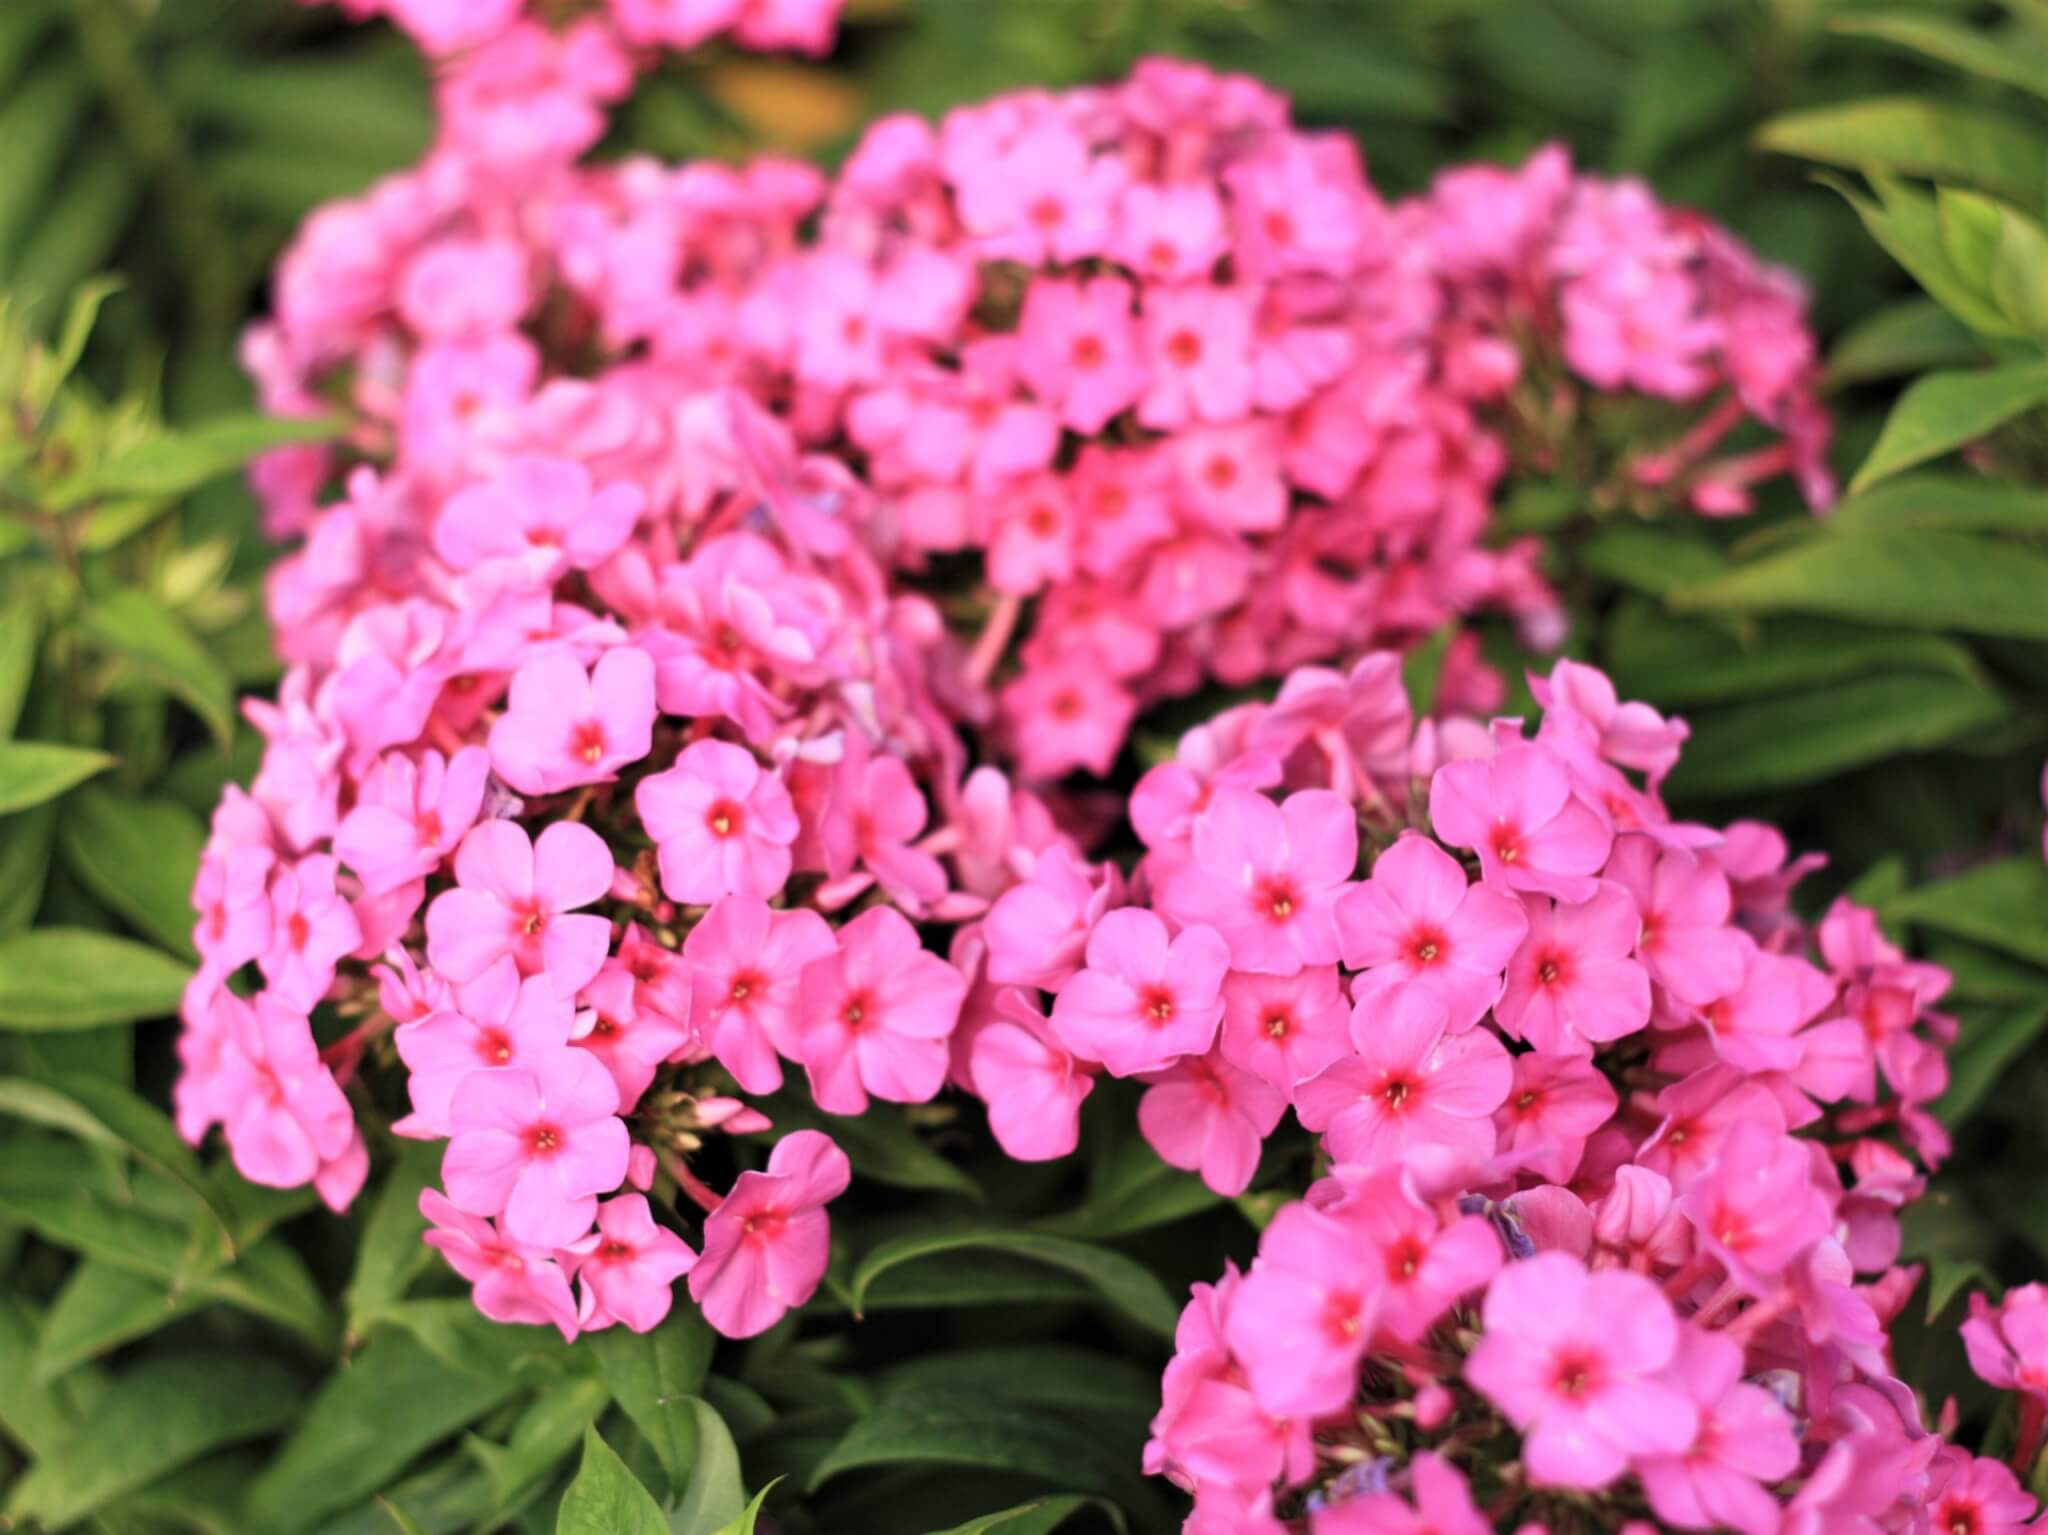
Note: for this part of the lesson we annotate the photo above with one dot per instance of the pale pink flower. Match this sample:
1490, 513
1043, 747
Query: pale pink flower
544, 504
1198, 349
722, 823
520, 897
1576, 1361
631, 1040
1427, 1264
626, 1269
1688, 942
875, 1015
1756, 1208
312, 928
2008, 1343
537, 1145
1037, 930
1441, 1505
1305, 1313
1033, 1086
1555, 1104
1079, 351
767, 1243
1144, 999
283, 1113
562, 727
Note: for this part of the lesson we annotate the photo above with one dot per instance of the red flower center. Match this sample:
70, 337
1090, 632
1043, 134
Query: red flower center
493, 1047
1089, 353
586, 742
1184, 349
1156, 1003
544, 1140
725, 819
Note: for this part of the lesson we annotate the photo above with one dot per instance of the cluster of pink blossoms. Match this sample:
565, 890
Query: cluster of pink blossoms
1199, 403
1614, 1148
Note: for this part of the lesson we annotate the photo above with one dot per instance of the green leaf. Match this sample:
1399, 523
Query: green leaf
1951, 502
2019, 272
1945, 411
25, 842
1801, 738
392, 1255
1056, 1376
171, 463
1908, 337
1986, 1046
1904, 222
1423, 667
139, 856
1907, 577
1131, 1190
1652, 560
2012, 57
881, 1146
154, 641
2002, 904
654, 1378
80, 316
984, 1430
713, 1496
162, 1414
605, 1500
32, 772
548, 1430
34, 1416
21, 632
55, 978
400, 1519
1913, 136
1036, 1518
1126, 1284
366, 1424
743, 1523
101, 1307
1947, 1277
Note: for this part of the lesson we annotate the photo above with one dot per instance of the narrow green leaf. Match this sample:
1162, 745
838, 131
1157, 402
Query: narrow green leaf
1909, 337
713, 1496
21, 632
548, 1430
2002, 904
1040, 1517
35, 772
139, 856
881, 1146
1801, 738
654, 1379
162, 1414
1958, 503
1948, 1277
1914, 136
82, 313
1131, 1190
400, 1519
1941, 412
1906, 577
743, 1523
154, 641
32, 1414
171, 463
73, 978
1903, 221
365, 1425
1986, 1046
2011, 57
392, 1254
1126, 1284
101, 1307
1652, 560
605, 1499
25, 844
1056, 1376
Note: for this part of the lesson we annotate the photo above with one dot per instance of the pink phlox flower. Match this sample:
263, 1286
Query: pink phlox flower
497, 1022
537, 1144
875, 1015
1412, 1085
1698, 1114
1198, 340
1583, 712
767, 1243
1038, 929
1030, 544
1034, 1086
1045, 197
283, 1113
299, 782
627, 1268
875, 816
1978, 1494
312, 928
1574, 982
1557, 1102
1205, 1115
1576, 1360
520, 897
1746, 1442
1210, 1431
1284, 1028
1418, 919
1441, 1504
545, 504
1518, 812
1065, 716
1760, 1025
722, 823
1079, 349
1231, 482
231, 893
1267, 877
510, 1281
1426, 1264
630, 1040
1145, 998
747, 960
563, 727
1756, 1208
1304, 1315
1687, 940
1360, 722
410, 814
2008, 1343
1171, 233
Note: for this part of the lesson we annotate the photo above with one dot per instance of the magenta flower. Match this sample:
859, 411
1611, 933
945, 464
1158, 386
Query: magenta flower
767, 1243
1756, 1209
1412, 1084
1268, 876
1037, 930
1144, 1000
1284, 1028
1577, 1361
1518, 812
509, 1282
1033, 1086
2008, 1343
231, 893
563, 727
876, 1014
1556, 1103
631, 1040
519, 897
1759, 1024
1204, 1115
1979, 1496
1304, 1314
410, 815
747, 962
1078, 349
1746, 1441
1691, 948
537, 504
1418, 919
722, 824
500, 1022
1441, 1505
312, 928
284, 1116
537, 1145
626, 1269
1198, 342
1574, 982
1428, 1265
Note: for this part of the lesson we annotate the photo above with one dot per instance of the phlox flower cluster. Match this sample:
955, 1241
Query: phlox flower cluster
1150, 386
1607, 1135
594, 819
